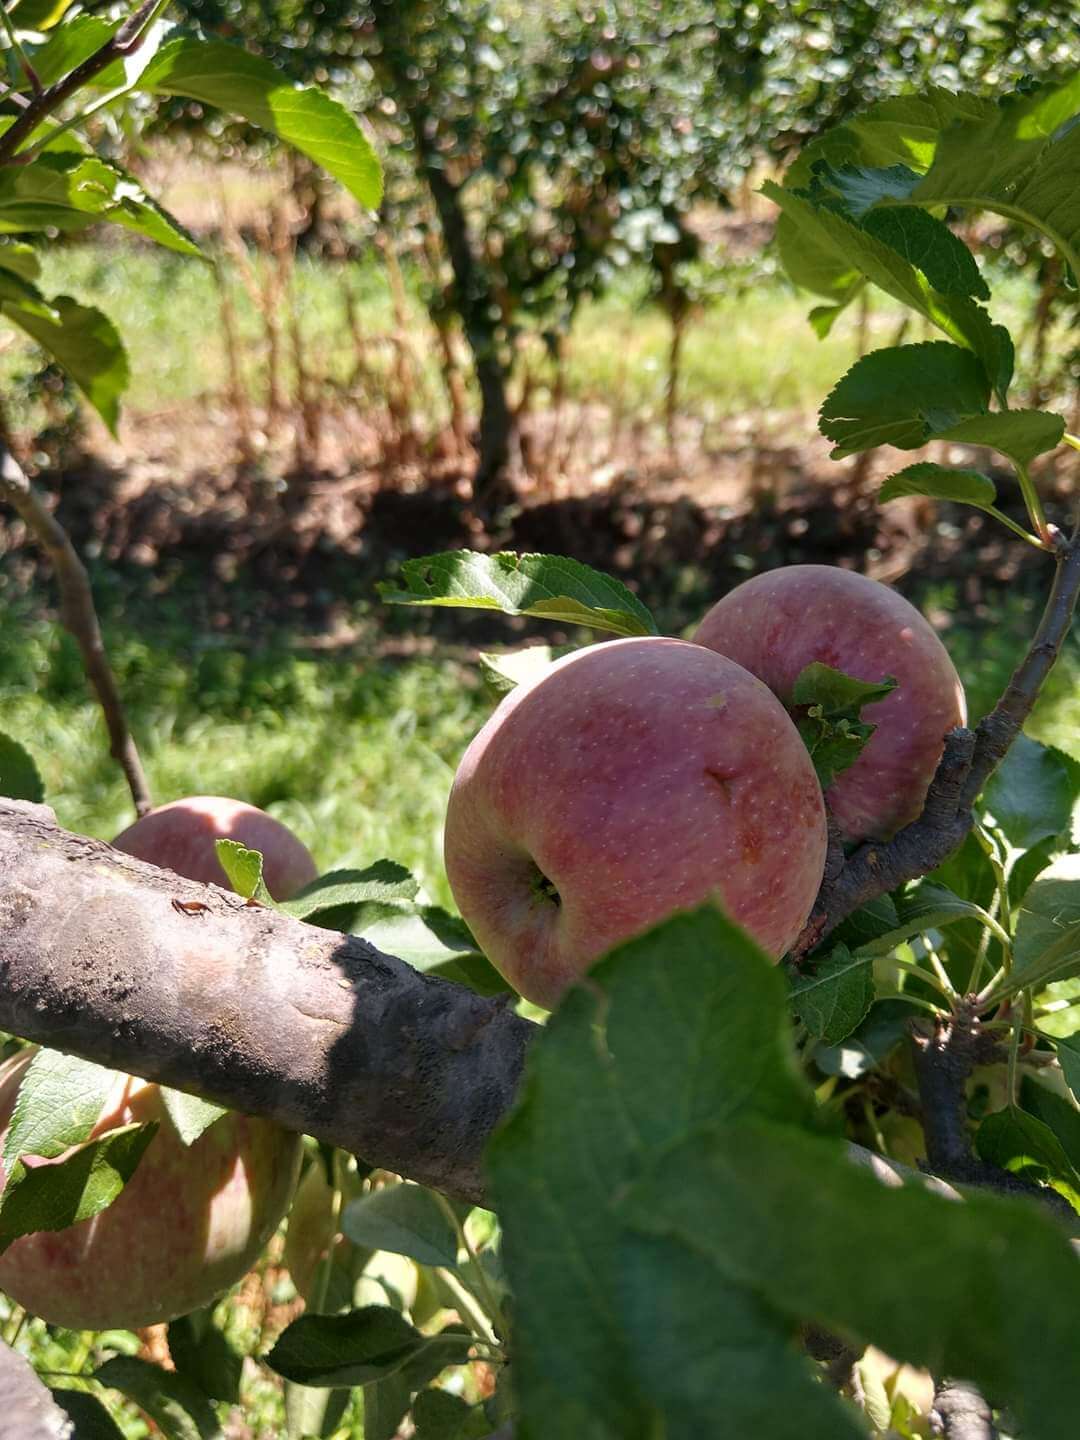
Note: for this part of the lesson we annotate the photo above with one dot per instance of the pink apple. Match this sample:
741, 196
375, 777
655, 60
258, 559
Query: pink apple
779, 622
180, 837
189, 1224
635, 778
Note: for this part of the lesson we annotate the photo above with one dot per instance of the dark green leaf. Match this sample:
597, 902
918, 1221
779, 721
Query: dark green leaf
203, 1355
191, 1115
727, 1192
965, 487
64, 1192
1068, 1053
887, 1024
384, 881
69, 45
83, 341
550, 587
831, 727
679, 1025
386, 1403
60, 1100
1030, 794
439, 1415
404, 1219
175, 1405
355, 1349
244, 84
20, 778
21, 259
1050, 910
243, 870
835, 998
1056, 1112
930, 246
904, 396
1019, 434
88, 1415
868, 922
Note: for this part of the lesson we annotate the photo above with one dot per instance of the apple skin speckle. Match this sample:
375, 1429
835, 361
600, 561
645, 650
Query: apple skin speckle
777, 623
618, 779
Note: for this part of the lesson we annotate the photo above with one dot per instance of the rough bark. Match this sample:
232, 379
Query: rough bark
961, 1413
100, 958
29, 1411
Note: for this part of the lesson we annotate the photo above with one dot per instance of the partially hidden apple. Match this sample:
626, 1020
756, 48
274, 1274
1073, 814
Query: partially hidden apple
180, 836
779, 622
635, 778
189, 1224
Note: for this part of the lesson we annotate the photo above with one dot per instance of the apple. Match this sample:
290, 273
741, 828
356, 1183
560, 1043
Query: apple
633, 779
778, 623
188, 1225
180, 836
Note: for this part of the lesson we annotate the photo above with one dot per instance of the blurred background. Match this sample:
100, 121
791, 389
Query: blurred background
566, 330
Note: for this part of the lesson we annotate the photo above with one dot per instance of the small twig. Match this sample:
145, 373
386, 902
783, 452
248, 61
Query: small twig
79, 617
961, 1413
968, 761
126, 39
20, 54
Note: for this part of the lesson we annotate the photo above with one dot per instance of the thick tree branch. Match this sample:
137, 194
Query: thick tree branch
248, 1007
961, 1413
78, 616
969, 759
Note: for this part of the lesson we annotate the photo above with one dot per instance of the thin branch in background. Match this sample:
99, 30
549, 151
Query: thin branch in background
79, 617
20, 54
961, 1413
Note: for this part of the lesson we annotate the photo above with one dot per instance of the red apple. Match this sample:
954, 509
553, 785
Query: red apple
779, 622
180, 836
188, 1225
635, 778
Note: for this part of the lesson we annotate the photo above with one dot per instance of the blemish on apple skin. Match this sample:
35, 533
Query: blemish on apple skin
722, 778
717, 702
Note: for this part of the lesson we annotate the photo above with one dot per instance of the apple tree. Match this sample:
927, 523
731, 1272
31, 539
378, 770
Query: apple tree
690, 1199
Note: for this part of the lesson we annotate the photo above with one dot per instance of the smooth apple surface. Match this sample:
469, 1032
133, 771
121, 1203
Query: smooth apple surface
180, 836
636, 778
778, 623
189, 1224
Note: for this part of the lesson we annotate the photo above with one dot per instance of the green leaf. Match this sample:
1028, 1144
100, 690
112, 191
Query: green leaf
244, 84
1019, 160
679, 1025
831, 728
20, 778
191, 1115
1057, 1113
38, 14
386, 1403
243, 870
1019, 434
834, 999
930, 246
862, 1258
439, 1415
69, 45
503, 673
1030, 795
904, 396
21, 259
176, 1406
1049, 915
60, 1100
860, 187
549, 587
69, 190
1021, 1143
64, 1192
406, 1220
886, 1025
927, 905
433, 942
367, 1344
1068, 1053
88, 1415
82, 340
383, 882
857, 253
203, 1355
964, 487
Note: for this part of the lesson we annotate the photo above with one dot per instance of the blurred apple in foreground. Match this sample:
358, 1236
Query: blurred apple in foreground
190, 1223
180, 836
779, 622
635, 778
